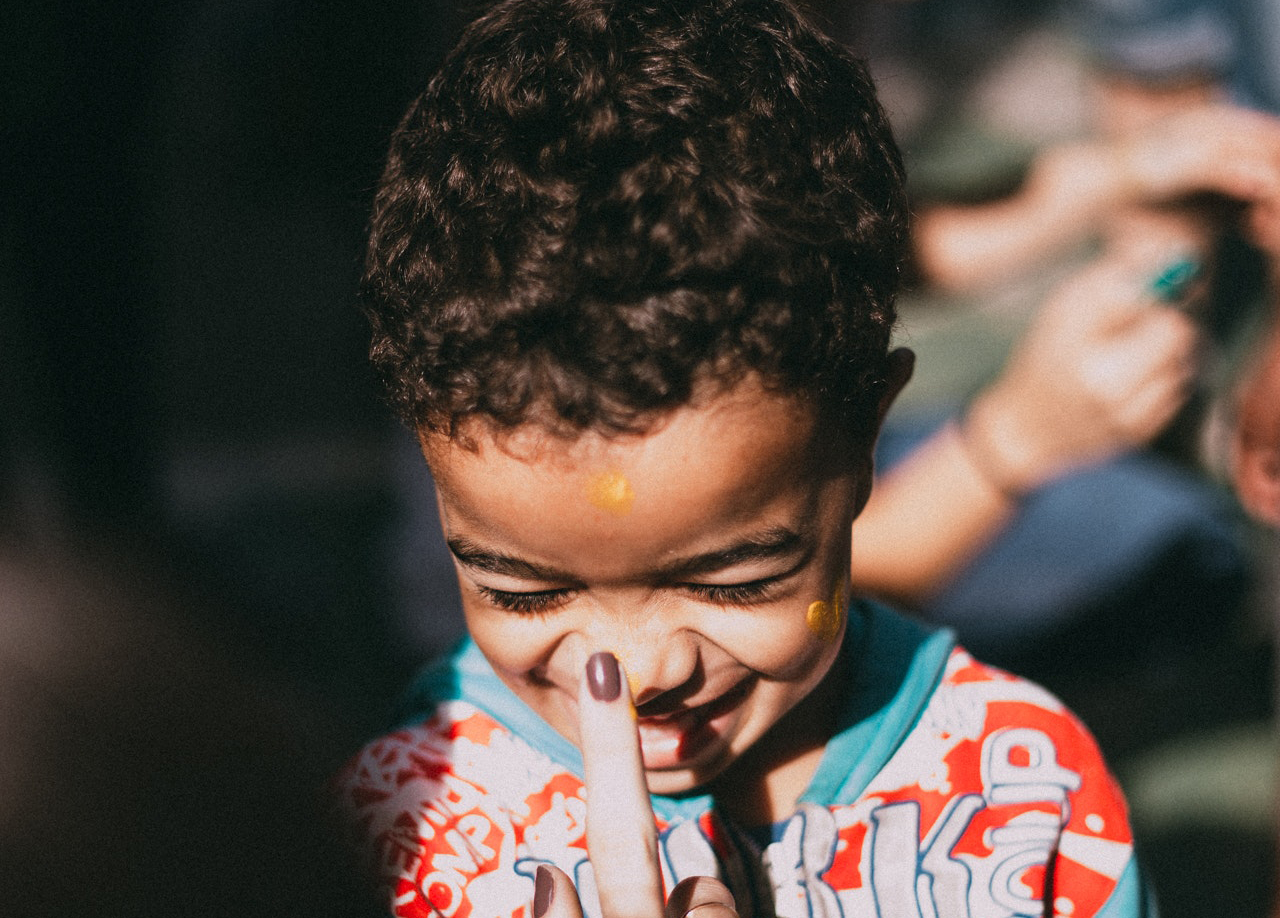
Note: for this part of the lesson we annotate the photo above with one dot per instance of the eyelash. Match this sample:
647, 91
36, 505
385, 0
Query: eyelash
732, 594
541, 602
535, 603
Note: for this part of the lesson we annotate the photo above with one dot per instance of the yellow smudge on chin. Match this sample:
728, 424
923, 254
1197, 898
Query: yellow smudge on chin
826, 618
611, 492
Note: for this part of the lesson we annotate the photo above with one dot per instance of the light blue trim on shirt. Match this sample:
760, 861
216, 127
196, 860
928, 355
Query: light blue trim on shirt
465, 675
1130, 898
895, 675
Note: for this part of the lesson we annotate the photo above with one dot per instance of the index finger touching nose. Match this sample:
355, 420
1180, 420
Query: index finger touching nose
621, 834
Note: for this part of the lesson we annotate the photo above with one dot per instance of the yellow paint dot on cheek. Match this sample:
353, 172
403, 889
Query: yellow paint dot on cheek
825, 619
611, 492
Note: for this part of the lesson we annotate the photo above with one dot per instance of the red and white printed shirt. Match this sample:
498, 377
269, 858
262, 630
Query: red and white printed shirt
955, 791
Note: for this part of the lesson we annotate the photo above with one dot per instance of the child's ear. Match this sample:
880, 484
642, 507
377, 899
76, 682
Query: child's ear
864, 428
898, 368
900, 363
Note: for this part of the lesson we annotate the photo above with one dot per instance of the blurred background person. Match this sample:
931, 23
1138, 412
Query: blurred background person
1032, 168
149, 766
1084, 533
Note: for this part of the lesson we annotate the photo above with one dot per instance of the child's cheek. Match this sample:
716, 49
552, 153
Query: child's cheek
518, 646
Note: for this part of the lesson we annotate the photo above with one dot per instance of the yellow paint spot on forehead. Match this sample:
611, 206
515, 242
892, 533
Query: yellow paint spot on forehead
611, 492
826, 618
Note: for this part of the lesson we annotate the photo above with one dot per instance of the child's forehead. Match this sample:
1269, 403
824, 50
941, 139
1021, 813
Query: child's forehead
745, 463
736, 408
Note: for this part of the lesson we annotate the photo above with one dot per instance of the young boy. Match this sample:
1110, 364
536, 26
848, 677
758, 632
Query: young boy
631, 277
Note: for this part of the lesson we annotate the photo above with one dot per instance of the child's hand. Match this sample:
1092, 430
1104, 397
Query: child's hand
1103, 369
621, 834
708, 895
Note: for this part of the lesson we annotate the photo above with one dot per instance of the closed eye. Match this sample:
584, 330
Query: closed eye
734, 594
536, 602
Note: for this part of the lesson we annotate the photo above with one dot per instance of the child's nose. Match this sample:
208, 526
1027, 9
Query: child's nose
657, 660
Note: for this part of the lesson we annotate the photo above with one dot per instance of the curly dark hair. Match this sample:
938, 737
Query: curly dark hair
596, 204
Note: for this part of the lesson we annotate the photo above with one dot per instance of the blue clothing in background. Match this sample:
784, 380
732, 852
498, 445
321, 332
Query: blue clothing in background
1138, 536
1236, 41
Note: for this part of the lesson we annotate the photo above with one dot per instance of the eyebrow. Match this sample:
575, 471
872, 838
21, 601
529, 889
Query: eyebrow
776, 542
482, 559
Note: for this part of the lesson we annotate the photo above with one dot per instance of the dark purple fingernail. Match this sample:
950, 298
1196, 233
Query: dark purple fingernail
603, 679
544, 888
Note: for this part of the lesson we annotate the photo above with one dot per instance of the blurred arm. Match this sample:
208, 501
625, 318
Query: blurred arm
1102, 370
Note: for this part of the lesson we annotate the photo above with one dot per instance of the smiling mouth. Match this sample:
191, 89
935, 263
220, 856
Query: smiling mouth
674, 738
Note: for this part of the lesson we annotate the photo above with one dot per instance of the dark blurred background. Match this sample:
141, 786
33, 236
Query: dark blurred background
213, 579
200, 590
183, 366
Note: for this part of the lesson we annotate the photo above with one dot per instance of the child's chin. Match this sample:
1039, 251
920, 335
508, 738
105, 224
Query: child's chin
683, 745
677, 781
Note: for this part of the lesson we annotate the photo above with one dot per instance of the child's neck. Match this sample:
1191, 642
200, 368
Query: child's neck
763, 786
